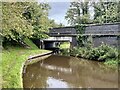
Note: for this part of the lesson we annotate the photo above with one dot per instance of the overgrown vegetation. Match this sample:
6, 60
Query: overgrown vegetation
80, 29
85, 49
101, 53
24, 20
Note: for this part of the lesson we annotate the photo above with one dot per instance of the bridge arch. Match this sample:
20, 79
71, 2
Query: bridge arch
61, 34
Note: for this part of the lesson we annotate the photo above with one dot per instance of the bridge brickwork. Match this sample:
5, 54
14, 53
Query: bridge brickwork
102, 33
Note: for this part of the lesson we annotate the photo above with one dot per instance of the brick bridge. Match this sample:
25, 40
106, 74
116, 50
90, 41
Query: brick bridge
101, 33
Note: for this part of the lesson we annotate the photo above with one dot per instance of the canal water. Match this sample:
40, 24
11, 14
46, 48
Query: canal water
69, 72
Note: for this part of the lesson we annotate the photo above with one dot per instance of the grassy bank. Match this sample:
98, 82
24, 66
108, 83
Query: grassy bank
12, 61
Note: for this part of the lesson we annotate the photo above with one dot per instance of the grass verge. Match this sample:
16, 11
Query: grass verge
12, 60
64, 45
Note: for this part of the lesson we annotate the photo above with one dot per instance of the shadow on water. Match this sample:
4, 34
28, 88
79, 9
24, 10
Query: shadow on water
69, 72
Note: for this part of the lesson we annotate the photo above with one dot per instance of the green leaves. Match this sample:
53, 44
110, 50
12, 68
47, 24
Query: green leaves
106, 12
24, 19
78, 13
101, 53
13, 23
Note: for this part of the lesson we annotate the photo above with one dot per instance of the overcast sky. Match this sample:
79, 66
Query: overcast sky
58, 10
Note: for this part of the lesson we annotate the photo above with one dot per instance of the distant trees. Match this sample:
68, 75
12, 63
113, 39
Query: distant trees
78, 13
54, 24
104, 12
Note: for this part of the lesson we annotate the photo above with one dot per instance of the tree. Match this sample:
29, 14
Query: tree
37, 15
24, 19
54, 24
106, 12
13, 25
78, 13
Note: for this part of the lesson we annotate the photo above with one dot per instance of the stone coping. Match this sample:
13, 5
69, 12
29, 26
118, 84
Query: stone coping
39, 55
33, 59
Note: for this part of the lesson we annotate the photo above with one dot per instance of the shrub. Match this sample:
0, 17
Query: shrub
107, 52
65, 52
75, 51
111, 63
100, 53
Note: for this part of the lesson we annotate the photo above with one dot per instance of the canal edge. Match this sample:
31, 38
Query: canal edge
31, 58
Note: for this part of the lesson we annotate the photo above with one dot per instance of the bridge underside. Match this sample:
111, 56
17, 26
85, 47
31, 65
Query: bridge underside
59, 39
54, 42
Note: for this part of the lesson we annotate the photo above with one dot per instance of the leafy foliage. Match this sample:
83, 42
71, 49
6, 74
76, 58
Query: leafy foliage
106, 12
101, 53
25, 19
13, 25
80, 30
37, 15
78, 13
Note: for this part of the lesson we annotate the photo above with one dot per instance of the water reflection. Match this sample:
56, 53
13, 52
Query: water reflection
69, 72
51, 83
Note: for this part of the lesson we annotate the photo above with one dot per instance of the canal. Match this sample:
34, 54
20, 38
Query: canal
69, 72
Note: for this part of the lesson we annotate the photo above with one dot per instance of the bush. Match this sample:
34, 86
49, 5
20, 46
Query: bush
107, 52
111, 63
74, 51
65, 52
101, 53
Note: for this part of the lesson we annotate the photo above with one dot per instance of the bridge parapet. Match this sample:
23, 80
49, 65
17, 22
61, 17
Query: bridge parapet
64, 31
103, 29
